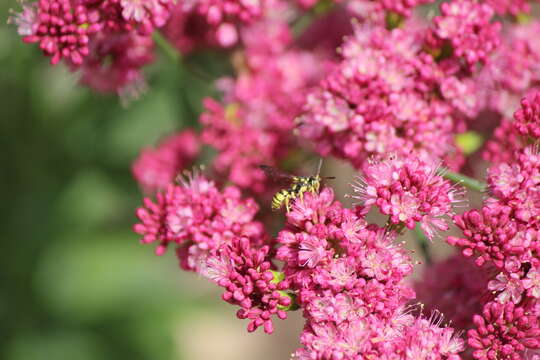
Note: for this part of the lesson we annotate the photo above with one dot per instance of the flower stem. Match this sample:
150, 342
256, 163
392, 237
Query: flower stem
466, 181
398, 228
166, 47
423, 242
304, 21
175, 56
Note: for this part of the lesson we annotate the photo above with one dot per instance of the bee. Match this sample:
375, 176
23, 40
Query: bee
298, 185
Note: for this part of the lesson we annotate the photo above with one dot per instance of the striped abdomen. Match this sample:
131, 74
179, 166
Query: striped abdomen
281, 197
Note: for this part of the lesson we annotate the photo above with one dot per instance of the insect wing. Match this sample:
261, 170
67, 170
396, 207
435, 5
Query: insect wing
277, 175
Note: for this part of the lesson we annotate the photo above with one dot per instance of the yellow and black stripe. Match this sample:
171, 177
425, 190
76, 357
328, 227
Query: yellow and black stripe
300, 185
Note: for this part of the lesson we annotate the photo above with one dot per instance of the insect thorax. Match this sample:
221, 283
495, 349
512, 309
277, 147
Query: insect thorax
299, 186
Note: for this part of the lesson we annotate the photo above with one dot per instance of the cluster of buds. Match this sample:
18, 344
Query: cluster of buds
111, 40
504, 236
105, 39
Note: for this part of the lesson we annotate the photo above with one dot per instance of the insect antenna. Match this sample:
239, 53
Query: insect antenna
319, 171
319, 167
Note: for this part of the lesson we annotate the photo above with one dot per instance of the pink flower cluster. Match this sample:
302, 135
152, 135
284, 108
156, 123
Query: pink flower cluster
88, 33
254, 124
504, 233
454, 286
223, 15
403, 90
409, 190
510, 137
114, 63
513, 70
246, 274
216, 235
198, 24
403, 7
155, 169
393, 101
349, 277
513, 74
513, 7
504, 331
198, 218
466, 26
110, 41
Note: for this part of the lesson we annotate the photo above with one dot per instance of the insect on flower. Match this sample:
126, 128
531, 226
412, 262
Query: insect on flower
298, 185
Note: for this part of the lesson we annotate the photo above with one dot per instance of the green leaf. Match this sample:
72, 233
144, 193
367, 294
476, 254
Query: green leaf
469, 142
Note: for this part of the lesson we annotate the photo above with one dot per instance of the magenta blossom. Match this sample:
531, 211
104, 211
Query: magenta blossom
409, 191
192, 215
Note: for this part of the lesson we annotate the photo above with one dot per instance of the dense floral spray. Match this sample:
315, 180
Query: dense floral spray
412, 94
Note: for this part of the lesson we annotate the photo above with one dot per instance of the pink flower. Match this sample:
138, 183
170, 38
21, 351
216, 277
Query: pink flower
532, 282
215, 268
463, 95
217, 11
114, 64
311, 251
152, 217
339, 274
466, 25
335, 308
424, 334
382, 259
188, 30
314, 209
242, 147
402, 7
518, 186
303, 250
508, 288
253, 125
505, 180
504, 146
155, 11
401, 338
27, 21
328, 341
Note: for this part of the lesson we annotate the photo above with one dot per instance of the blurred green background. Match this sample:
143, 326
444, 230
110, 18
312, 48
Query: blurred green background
75, 282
